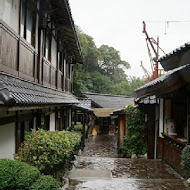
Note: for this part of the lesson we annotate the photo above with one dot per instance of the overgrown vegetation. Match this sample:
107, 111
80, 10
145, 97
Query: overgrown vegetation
134, 140
49, 151
186, 160
103, 71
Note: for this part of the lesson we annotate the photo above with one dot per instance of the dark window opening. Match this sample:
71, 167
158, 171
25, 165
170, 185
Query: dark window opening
28, 20
48, 47
22, 129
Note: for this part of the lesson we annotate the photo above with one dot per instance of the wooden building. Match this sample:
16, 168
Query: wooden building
38, 50
172, 113
105, 104
121, 123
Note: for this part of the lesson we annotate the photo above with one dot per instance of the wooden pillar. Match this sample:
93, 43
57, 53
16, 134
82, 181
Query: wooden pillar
121, 130
75, 117
83, 131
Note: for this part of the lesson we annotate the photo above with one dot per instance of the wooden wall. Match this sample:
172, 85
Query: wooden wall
8, 53
19, 58
172, 155
160, 148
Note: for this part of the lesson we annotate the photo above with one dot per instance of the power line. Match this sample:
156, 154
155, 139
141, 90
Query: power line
167, 22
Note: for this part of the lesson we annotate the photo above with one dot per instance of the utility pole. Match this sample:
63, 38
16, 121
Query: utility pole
157, 57
156, 51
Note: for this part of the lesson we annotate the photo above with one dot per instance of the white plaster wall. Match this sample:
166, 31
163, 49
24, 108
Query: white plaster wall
52, 122
161, 118
9, 13
7, 140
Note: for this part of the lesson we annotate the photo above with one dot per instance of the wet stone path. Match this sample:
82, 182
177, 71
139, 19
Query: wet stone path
98, 168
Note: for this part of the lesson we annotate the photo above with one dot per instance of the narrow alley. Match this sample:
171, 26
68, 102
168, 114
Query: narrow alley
99, 168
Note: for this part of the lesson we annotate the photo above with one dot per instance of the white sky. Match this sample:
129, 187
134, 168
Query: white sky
118, 23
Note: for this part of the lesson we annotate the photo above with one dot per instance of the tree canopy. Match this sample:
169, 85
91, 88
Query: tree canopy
103, 71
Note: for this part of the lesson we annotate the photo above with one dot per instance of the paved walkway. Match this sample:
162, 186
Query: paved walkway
98, 168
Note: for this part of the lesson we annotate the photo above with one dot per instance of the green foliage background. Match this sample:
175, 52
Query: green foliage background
103, 70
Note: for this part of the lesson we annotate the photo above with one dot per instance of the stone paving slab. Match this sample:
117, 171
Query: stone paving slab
130, 184
101, 146
127, 168
100, 154
87, 173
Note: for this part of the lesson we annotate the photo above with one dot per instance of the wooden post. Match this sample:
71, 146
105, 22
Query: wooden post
75, 117
83, 131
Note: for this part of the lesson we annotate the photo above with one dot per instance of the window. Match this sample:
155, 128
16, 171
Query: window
28, 23
61, 61
48, 47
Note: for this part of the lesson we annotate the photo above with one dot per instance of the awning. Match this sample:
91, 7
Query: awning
17, 92
170, 82
103, 112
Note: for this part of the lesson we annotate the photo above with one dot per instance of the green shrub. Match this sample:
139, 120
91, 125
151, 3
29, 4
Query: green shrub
185, 160
133, 144
16, 175
48, 150
45, 182
79, 127
134, 140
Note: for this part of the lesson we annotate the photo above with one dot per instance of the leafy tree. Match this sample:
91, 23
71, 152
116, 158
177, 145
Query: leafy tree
89, 50
110, 61
122, 88
101, 83
82, 80
128, 87
103, 70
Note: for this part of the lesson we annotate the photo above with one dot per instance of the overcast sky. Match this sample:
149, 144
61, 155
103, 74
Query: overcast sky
118, 23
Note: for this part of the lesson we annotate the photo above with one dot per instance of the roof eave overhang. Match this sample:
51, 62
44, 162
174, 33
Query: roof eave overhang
177, 58
170, 84
62, 18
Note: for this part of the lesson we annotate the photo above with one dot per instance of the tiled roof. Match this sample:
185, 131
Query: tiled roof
161, 79
16, 92
83, 105
161, 82
109, 101
176, 51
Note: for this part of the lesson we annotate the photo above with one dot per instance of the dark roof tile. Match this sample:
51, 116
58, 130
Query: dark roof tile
28, 93
109, 100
